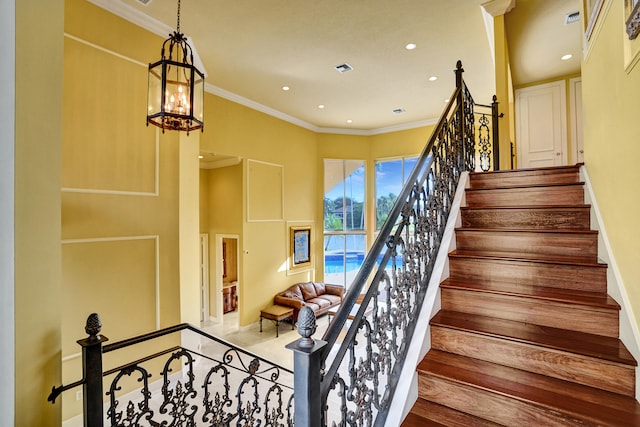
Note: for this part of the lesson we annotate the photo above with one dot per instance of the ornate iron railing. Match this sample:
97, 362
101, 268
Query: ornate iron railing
222, 385
348, 378
488, 142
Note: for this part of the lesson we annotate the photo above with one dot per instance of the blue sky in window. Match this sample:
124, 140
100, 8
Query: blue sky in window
389, 179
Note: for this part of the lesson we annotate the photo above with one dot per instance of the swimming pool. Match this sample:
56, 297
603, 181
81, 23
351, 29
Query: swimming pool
339, 262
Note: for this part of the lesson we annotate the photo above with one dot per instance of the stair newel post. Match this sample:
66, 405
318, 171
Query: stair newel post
307, 368
495, 133
460, 114
92, 372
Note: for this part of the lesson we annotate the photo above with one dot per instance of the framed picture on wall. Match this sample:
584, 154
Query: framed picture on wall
632, 15
300, 246
592, 9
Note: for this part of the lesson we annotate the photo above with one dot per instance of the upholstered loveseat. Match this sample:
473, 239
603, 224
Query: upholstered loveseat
318, 296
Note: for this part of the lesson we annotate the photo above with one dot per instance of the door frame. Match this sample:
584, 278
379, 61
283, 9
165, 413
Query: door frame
204, 278
218, 273
576, 117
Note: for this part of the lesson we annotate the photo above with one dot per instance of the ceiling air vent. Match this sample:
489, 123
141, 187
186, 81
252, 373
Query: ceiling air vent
343, 68
144, 2
570, 18
399, 111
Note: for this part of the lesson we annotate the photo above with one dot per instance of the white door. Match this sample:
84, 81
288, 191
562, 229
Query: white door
541, 125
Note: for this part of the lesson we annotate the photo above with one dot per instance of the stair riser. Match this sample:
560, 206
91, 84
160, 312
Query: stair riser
584, 370
523, 179
535, 218
483, 404
584, 245
538, 312
532, 196
578, 277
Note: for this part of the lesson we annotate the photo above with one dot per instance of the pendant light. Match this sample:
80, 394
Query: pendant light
176, 87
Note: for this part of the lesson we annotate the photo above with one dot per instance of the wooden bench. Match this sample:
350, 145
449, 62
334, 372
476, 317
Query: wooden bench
276, 313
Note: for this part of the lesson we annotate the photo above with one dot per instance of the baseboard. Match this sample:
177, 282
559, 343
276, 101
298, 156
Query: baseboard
629, 333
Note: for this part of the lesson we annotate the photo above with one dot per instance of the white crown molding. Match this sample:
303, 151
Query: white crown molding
134, 16
220, 163
223, 93
150, 24
129, 13
498, 7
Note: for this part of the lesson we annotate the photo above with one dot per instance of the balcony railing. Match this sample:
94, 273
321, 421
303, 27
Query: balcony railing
222, 385
349, 377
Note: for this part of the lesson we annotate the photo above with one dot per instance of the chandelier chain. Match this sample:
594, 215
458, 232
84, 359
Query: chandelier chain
178, 24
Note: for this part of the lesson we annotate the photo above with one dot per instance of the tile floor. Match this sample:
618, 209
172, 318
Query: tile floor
264, 344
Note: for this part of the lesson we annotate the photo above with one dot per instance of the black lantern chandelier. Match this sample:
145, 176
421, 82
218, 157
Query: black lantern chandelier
176, 87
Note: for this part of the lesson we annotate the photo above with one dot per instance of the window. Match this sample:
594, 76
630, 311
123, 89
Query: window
390, 177
344, 220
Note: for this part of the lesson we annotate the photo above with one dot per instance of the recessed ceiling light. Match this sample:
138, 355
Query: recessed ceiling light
446, 100
321, 106
410, 46
201, 156
285, 88
433, 78
349, 121
567, 56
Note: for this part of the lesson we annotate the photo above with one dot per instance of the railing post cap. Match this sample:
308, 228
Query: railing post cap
306, 326
93, 327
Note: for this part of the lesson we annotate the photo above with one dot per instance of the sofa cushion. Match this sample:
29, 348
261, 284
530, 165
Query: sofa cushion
333, 299
320, 302
308, 290
320, 290
313, 306
293, 292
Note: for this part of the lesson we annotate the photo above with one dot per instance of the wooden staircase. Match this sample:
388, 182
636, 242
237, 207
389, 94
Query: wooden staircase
527, 334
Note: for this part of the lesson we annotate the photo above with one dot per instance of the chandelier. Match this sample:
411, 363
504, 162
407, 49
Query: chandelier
176, 87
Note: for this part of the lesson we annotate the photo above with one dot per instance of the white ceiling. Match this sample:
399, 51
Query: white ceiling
250, 49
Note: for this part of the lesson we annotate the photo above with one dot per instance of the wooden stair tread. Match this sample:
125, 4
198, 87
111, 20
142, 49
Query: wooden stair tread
531, 171
544, 293
517, 256
433, 414
414, 420
567, 231
597, 346
526, 186
537, 207
580, 402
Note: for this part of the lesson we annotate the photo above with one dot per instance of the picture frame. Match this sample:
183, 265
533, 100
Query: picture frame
592, 9
300, 247
632, 15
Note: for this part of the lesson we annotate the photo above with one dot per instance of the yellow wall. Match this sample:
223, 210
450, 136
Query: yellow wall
611, 132
38, 124
223, 211
235, 130
121, 196
503, 90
